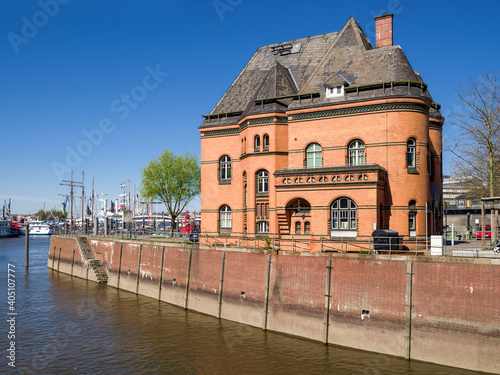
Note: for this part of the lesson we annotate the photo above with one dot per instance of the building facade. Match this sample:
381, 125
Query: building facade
324, 136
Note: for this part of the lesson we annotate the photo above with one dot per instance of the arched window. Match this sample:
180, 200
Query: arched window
298, 227
410, 153
307, 227
225, 218
265, 142
313, 156
412, 218
256, 143
225, 168
262, 227
344, 218
263, 182
356, 153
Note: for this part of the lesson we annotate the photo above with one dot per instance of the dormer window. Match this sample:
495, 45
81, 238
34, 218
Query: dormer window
335, 91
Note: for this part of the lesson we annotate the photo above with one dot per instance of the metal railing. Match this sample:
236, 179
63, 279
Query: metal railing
401, 245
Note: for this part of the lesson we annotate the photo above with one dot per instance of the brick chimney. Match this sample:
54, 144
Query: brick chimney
383, 30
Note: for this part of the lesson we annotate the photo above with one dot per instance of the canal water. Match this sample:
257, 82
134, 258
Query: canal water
66, 325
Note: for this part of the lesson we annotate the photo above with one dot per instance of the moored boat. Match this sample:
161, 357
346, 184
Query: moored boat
40, 228
9, 228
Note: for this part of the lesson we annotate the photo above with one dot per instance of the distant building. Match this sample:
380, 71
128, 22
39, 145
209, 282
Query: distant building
324, 136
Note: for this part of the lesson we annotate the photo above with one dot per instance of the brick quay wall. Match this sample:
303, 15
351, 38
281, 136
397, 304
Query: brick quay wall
440, 310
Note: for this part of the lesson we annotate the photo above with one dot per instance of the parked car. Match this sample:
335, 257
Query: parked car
194, 236
479, 232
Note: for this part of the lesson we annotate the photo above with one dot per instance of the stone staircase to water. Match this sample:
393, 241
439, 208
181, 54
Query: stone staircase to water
89, 258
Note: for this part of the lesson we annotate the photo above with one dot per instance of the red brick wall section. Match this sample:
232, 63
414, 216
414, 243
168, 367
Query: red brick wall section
246, 273
294, 289
175, 266
205, 271
130, 256
150, 269
461, 296
376, 285
67, 245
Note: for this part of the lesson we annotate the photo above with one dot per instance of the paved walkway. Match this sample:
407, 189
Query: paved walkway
470, 249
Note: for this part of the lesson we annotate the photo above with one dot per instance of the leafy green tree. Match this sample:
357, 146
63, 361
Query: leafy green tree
173, 179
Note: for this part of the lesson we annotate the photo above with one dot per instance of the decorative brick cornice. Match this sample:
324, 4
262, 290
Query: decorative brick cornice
218, 133
261, 121
361, 110
435, 125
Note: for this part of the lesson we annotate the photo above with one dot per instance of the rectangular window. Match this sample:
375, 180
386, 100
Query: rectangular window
263, 227
335, 220
412, 221
335, 91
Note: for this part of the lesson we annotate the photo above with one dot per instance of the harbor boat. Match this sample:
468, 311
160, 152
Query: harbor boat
40, 228
8, 228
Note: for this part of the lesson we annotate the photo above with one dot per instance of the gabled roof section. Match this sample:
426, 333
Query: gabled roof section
278, 83
301, 68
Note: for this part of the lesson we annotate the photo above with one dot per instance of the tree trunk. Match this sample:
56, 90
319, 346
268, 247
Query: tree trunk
172, 223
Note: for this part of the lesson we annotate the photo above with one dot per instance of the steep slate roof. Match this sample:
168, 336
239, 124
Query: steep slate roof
278, 78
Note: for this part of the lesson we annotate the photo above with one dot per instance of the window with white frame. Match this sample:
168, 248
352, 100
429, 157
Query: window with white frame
356, 153
410, 154
265, 142
225, 168
225, 217
412, 218
262, 227
298, 227
314, 156
256, 143
335, 91
307, 227
344, 218
263, 182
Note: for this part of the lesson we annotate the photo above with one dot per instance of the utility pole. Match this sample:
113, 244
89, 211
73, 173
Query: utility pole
83, 199
93, 197
72, 184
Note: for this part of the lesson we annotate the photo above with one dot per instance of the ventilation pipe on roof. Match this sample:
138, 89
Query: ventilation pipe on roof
383, 30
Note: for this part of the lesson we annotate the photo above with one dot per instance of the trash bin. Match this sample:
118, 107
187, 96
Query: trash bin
386, 239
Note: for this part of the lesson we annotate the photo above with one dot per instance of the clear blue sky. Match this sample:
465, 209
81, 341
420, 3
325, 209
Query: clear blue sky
137, 75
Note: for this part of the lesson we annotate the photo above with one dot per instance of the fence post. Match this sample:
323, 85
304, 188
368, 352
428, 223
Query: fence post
321, 244
239, 238
266, 296
221, 283
188, 278
139, 270
119, 267
409, 285
161, 273
293, 243
327, 298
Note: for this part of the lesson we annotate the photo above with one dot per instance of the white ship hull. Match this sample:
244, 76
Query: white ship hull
40, 229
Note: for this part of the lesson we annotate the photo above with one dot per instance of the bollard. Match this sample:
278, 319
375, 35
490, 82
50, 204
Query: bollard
27, 245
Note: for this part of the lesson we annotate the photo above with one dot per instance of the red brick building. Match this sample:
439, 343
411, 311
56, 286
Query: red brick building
324, 136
